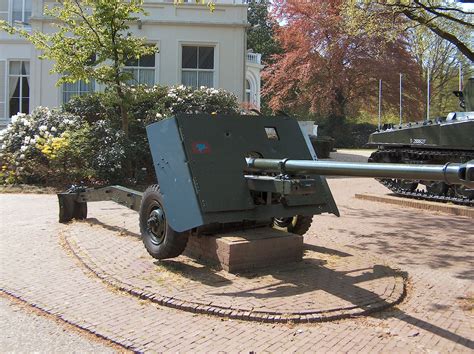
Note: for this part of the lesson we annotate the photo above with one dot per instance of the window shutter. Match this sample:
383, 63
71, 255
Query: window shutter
3, 91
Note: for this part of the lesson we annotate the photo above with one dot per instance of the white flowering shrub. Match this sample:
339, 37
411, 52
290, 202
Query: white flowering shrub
148, 104
33, 143
181, 99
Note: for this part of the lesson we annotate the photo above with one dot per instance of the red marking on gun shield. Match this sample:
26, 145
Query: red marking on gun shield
201, 147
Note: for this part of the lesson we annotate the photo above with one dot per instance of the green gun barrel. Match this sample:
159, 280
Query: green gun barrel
451, 173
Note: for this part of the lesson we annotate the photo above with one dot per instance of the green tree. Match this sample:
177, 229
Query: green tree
442, 59
260, 37
92, 42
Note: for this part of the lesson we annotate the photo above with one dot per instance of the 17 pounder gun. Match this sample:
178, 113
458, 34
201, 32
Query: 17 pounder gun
217, 174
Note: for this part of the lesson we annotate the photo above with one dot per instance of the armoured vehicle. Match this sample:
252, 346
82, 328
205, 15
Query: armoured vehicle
435, 141
224, 173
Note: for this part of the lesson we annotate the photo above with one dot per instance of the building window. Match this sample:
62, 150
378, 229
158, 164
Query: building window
4, 10
19, 87
197, 65
21, 11
142, 69
77, 88
247, 91
3, 90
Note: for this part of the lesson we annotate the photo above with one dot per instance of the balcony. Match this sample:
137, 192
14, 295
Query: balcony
255, 58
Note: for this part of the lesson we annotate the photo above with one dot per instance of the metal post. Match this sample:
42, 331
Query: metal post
380, 103
401, 99
460, 77
428, 95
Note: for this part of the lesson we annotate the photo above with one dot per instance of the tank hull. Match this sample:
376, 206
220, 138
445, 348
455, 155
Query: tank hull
432, 142
456, 133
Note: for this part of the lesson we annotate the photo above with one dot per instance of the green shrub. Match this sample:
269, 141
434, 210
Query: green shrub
345, 133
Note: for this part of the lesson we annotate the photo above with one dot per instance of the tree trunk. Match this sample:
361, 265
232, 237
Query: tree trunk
123, 110
339, 104
127, 163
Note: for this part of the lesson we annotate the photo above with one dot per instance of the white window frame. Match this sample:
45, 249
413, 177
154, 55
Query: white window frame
79, 92
156, 68
215, 45
248, 91
8, 12
4, 114
250, 77
21, 84
23, 19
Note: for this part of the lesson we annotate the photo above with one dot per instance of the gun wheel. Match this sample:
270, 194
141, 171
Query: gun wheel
160, 240
298, 224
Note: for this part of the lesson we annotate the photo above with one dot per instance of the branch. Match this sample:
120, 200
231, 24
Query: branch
463, 48
442, 8
38, 39
84, 17
440, 14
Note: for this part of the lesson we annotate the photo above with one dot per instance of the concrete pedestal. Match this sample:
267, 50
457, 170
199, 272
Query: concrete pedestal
245, 250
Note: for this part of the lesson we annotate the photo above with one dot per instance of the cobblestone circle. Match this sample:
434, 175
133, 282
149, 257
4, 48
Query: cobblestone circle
326, 285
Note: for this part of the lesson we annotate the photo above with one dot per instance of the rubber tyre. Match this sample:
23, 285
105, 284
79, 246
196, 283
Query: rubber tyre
173, 243
298, 224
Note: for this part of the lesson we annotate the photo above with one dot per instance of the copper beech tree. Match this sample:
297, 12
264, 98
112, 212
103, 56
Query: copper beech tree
325, 69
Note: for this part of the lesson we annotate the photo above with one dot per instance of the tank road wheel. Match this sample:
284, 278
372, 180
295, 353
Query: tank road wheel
463, 192
407, 184
436, 188
159, 239
298, 224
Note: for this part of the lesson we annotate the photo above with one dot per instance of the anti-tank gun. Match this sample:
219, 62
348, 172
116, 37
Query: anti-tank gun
219, 174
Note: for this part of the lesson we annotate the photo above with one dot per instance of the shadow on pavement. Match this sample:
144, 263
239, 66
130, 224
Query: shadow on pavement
424, 325
120, 230
411, 233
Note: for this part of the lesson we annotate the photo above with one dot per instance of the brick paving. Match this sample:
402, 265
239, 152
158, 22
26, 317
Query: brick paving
435, 251
326, 285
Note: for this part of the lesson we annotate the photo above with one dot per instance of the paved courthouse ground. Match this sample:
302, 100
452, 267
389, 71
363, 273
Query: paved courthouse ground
38, 267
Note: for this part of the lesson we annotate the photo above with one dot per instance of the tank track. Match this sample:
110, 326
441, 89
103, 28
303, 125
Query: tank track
425, 157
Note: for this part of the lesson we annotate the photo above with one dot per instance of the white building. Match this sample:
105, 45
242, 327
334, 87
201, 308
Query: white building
196, 48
